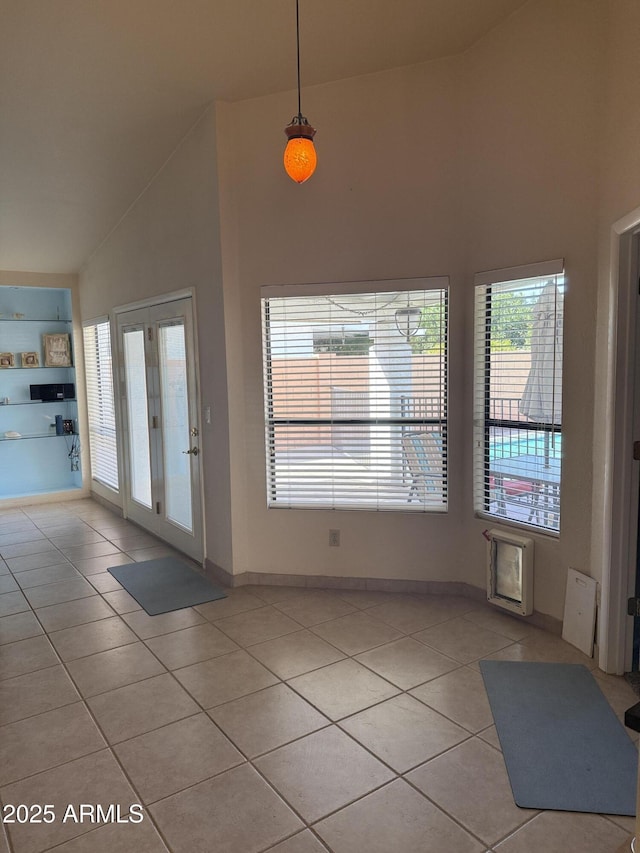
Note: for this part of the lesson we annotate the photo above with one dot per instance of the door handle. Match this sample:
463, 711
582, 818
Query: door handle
194, 451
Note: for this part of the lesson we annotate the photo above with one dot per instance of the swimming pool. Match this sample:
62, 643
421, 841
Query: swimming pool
532, 444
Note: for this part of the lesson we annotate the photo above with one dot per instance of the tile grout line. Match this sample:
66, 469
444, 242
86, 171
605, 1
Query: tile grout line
457, 820
250, 761
107, 744
397, 774
203, 710
331, 723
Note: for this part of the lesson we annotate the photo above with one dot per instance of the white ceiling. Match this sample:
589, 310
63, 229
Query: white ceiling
95, 94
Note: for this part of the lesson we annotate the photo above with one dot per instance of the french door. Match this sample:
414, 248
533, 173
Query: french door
159, 409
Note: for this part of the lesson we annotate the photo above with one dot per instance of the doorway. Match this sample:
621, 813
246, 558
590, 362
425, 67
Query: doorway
634, 508
616, 529
161, 449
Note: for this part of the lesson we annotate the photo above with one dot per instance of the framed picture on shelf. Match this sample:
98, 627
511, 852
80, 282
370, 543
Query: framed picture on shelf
57, 350
7, 359
30, 359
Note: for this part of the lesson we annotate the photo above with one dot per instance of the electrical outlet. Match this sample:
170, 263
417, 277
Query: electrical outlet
334, 538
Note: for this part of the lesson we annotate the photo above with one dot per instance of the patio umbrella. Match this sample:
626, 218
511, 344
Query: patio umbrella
542, 396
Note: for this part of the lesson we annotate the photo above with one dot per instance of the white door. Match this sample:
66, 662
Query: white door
161, 442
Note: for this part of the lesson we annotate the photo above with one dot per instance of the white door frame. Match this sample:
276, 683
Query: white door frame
620, 496
163, 299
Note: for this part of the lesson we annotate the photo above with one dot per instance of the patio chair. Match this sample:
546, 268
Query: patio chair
423, 453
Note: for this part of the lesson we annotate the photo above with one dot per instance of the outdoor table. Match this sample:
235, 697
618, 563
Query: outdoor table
543, 474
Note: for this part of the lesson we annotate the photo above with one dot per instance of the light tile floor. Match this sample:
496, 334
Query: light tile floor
279, 719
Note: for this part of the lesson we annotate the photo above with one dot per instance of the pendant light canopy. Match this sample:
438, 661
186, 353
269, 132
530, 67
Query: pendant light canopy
300, 157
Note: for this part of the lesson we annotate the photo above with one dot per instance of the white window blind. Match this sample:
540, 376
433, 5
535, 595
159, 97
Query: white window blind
355, 380
100, 404
518, 397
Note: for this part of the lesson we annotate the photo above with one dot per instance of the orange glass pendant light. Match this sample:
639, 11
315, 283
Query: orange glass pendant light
300, 157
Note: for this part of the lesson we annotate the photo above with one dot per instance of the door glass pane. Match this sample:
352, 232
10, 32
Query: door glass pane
136, 387
175, 424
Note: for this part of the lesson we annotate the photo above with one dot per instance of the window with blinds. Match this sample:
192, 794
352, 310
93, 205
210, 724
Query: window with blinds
355, 383
100, 404
518, 394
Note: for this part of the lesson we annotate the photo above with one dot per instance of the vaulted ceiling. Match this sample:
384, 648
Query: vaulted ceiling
96, 94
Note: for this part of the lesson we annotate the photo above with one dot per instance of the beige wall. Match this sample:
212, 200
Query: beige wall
384, 202
474, 162
534, 97
170, 241
619, 197
471, 163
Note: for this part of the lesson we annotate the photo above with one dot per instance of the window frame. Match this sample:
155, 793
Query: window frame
485, 417
399, 286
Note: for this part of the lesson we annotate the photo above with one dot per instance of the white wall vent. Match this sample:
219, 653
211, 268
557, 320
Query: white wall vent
510, 572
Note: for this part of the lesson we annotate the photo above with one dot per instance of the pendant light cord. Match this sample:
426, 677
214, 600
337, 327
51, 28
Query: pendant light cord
298, 54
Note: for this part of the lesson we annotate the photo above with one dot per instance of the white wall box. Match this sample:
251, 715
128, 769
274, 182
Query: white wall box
39, 445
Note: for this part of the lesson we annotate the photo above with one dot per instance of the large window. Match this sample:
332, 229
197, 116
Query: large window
355, 379
100, 404
518, 394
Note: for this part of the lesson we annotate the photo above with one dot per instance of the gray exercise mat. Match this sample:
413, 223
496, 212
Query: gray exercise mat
165, 584
563, 745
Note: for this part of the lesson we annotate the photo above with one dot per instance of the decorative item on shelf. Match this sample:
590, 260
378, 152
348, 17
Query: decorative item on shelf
18, 315
300, 158
7, 359
11, 433
74, 453
30, 359
49, 393
57, 350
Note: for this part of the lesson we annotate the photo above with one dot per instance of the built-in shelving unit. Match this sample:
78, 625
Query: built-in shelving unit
34, 458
